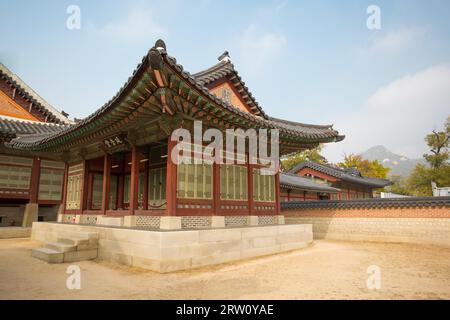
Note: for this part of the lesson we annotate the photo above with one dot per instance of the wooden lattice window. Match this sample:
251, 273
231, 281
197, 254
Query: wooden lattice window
50, 184
74, 191
97, 190
15, 172
194, 181
157, 187
127, 189
233, 182
12, 177
263, 186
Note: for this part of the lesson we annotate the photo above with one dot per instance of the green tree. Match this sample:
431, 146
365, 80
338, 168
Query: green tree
439, 143
368, 168
419, 181
399, 186
311, 154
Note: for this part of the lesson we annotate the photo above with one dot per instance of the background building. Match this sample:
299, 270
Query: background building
24, 176
351, 183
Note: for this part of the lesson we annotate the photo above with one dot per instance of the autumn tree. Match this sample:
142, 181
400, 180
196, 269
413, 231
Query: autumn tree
311, 154
368, 168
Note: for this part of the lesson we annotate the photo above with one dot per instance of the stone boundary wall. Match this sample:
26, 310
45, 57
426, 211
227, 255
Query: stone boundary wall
411, 220
14, 232
166, 251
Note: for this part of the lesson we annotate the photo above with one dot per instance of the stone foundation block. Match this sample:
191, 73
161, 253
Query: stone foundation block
129, 221
217, 222
30, 215
110, 221
253, 220
170, 223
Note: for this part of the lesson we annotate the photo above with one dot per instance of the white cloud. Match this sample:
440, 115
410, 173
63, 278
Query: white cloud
138, 22
256, 47
395, 41
398, 115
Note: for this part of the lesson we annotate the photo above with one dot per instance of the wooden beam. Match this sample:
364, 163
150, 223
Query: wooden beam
34, 181
134, 181
171, 180
64, 188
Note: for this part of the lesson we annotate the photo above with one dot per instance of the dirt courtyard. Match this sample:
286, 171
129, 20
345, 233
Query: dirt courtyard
326, 270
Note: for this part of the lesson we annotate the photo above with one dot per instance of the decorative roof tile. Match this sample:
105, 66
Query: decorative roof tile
27, 130
292, 181
369, 203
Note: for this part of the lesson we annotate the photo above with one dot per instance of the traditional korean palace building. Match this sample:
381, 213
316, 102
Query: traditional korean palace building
117, 162
347, 183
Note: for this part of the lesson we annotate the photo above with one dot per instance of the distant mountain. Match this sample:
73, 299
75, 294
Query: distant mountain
400, 165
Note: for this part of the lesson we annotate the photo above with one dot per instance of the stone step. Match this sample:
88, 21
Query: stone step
79, 234
61, 246
49, 255
75, 256
75, 241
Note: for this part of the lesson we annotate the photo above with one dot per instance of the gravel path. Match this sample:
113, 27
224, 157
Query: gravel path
326, 270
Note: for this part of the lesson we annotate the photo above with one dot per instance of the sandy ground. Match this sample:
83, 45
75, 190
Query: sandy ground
327, 270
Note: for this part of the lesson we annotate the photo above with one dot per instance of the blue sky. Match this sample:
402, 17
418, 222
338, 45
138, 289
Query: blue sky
307, 61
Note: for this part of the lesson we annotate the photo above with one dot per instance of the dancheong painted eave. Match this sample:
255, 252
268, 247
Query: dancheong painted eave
160, 87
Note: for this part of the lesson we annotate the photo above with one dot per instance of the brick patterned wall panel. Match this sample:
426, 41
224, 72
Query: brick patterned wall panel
236, 221
68, 218
88, 219
148, 222
267, 220
195, 222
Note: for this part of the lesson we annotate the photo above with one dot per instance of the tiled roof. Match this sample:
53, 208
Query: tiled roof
225, 68
369, 203
306, 133
30, 94
350, 175
27, 130
292, 181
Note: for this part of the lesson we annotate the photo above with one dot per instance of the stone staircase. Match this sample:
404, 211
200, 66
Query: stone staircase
70, 247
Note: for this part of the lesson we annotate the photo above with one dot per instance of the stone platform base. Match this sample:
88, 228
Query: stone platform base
14, 232
166, 251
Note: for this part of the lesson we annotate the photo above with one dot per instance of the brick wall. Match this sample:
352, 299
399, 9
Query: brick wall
416, 220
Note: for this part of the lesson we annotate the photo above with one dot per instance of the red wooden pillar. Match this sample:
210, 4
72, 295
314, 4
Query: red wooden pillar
34, 181
64, 188
216, 188
146, 177
277, 193
251, 204
84, 187
171, 180
106, 183
134, 179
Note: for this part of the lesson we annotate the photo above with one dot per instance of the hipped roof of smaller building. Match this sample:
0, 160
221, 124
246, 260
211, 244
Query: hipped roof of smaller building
351, 175
292, 181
